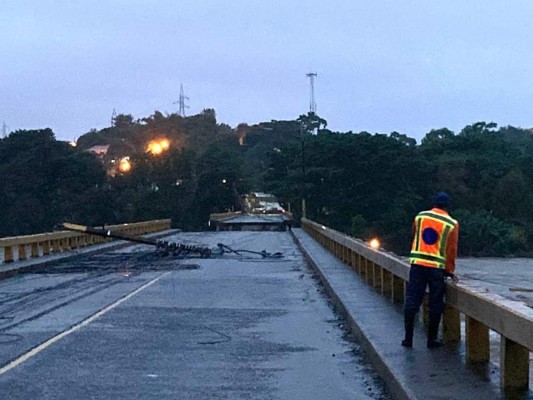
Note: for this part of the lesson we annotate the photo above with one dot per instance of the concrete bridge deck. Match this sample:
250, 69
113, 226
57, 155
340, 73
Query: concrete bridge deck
124, 325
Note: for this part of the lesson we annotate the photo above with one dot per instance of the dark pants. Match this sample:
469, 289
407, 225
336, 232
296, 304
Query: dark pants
419, 279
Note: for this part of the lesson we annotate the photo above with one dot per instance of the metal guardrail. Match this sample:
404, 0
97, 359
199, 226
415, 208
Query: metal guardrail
44, 244
482, 311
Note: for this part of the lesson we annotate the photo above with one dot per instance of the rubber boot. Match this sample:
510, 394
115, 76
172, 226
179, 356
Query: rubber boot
409, 321
433, 331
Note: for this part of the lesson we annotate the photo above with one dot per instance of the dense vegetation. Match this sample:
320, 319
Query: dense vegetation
360, 183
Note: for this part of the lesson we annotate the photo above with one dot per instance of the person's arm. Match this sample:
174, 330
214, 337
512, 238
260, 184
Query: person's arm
451, 250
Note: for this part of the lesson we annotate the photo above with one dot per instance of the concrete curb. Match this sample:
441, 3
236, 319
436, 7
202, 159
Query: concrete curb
397, 388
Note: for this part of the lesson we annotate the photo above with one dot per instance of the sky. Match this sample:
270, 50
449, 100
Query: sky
383, 65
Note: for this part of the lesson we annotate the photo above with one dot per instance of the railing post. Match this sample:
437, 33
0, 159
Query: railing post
8, 254
35, 250
360, 264
56, 247
477, 341
514, 365
451, 325
63, 243
344, 254
22, 252
377, 277
46, 248
386, 283
398, 289
73, 242
353, 260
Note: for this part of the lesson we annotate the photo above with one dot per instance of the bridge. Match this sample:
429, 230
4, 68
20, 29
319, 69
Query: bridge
85, 317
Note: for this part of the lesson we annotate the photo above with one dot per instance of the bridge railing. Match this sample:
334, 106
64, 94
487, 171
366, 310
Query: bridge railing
481, 310
43, 244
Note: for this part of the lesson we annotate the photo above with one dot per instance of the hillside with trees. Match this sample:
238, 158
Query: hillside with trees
361, 183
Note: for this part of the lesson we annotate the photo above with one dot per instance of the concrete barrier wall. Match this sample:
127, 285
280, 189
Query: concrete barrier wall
481, 311
21, 247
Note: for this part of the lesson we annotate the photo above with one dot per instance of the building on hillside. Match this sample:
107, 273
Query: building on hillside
99, 150
262, 203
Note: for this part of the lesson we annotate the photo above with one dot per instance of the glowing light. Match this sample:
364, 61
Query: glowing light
155, 148
158, 146
375, 244
124, 165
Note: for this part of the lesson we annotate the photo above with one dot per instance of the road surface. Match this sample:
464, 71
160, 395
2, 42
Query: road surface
127, 325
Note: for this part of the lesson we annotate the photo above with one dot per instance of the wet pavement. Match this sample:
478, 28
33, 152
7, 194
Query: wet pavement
417, 373
235, 327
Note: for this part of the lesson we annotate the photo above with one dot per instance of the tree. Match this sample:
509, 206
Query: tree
436, 138
311, 122
43, 181
482, 234
403, 139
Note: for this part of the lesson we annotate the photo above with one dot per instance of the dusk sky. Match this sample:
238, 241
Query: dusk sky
383, 65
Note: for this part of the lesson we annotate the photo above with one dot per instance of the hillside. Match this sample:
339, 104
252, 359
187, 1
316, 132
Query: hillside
189, 167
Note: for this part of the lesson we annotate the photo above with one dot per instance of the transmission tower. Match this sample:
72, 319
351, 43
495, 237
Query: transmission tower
113, 117
181, 102
5, 130
312, 104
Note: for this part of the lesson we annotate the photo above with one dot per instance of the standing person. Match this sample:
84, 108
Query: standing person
432, 259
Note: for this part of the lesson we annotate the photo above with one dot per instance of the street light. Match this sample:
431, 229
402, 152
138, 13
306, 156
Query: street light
124, 165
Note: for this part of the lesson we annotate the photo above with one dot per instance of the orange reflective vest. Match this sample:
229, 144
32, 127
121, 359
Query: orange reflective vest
432, 232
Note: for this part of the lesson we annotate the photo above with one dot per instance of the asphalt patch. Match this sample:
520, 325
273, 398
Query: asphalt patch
130, 263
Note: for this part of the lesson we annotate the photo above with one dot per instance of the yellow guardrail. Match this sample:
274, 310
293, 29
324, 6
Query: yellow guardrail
481, 311
43, 244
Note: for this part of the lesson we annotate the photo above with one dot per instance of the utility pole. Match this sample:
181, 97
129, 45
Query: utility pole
302, 141
312, 104
181, 101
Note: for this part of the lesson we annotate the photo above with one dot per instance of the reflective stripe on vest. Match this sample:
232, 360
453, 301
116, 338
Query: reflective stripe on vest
431, 239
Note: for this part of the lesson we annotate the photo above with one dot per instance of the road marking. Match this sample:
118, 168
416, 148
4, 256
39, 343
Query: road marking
85, 322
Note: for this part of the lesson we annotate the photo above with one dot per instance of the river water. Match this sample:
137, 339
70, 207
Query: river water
511, 278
